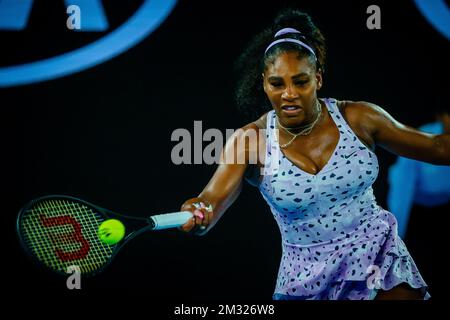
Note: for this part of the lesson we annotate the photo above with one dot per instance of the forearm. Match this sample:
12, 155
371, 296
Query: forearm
219, 202
225, 185
218, 195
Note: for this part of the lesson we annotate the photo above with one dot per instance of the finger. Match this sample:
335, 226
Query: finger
199, 218
198, 213
204, 223
201, 222
189, 225
208, 215
203, 216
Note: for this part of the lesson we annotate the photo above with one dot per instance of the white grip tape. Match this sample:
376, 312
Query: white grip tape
171, 220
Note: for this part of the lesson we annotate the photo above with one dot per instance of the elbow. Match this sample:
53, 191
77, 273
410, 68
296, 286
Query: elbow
442, 147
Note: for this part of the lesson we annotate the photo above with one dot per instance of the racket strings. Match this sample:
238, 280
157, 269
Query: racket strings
97, 256
63, 233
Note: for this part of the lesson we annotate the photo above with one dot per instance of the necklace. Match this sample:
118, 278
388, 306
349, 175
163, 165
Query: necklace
305, 131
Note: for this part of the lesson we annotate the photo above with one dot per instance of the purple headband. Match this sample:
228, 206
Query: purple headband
289, 30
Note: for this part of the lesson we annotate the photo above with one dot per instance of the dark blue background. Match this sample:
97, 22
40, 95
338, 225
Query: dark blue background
103, 134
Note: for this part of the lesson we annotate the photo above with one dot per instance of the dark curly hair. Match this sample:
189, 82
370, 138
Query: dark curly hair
249, 94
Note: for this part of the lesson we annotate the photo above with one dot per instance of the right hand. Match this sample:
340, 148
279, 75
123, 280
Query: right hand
201, 216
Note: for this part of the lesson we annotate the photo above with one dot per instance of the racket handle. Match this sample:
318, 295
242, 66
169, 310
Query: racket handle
170, 220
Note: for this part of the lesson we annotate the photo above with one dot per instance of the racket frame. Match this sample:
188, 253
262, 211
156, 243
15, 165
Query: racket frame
138, 226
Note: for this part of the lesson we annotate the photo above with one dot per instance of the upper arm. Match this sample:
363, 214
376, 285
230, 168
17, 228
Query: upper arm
396, 137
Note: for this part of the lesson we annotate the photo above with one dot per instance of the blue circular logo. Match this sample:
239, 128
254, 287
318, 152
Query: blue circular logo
437, 14
144, 21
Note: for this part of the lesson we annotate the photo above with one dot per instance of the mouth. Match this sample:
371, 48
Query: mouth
291, 109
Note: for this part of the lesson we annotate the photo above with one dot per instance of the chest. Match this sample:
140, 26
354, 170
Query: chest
311, 153
348, 173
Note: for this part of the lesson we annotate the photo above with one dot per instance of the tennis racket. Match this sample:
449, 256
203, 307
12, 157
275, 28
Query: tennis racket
61, 231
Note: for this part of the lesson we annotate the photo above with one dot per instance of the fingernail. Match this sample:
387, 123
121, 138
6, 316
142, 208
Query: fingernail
199, 214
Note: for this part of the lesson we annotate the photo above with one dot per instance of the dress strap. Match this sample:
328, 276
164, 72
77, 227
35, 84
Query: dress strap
272, 161
341, 123
335, 113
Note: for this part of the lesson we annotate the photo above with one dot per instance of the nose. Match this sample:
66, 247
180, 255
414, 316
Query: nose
289, 93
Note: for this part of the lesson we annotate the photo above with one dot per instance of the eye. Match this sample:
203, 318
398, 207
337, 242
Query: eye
301, 83
276, 84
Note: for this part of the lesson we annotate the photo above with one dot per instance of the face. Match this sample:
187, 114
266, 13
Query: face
290, 84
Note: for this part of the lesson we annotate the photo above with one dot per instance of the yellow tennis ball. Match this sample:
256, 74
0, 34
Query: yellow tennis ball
111, 231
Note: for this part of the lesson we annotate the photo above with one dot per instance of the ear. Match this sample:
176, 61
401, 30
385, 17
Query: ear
319, 79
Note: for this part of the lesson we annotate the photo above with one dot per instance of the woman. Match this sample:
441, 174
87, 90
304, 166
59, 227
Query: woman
337, 242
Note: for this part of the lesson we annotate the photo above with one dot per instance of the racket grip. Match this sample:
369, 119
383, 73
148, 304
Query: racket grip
170, 220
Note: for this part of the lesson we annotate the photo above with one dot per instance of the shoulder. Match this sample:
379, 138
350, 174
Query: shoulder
364, 118
252, 128
363, 115
250, 140
251, 136
359, 110
261, 122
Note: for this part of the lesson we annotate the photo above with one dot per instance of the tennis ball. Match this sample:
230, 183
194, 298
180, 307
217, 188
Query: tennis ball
111, 231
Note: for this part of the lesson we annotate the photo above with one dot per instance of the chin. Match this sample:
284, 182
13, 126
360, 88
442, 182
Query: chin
291, 120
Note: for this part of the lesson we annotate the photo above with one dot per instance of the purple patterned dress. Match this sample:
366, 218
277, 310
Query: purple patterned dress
337, 243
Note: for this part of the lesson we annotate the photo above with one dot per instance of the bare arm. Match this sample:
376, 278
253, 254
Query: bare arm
380, 128
226, 183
